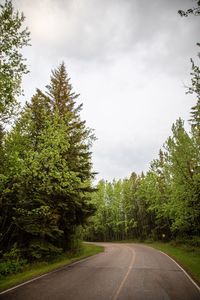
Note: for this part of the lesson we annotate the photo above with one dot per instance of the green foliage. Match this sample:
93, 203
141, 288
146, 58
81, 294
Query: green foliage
12, 267
192, 241
75, 244
46, 183
46, 192
184, 199
42, 249
120, 213
163, 204
12, 262
13, 37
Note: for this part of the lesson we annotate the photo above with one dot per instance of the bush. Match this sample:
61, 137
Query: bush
12, 262
193, 241
12, 267
42, 250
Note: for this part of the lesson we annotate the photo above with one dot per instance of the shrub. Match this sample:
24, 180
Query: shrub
12, 266
193, 241
42, 250
12, 262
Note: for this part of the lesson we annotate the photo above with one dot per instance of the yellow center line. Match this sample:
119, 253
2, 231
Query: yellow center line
115, 296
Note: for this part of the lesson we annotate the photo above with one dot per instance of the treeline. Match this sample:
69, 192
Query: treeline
45, 159
164, 203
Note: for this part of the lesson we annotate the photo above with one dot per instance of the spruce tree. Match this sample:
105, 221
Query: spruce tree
63, 99
46, 188
78, 154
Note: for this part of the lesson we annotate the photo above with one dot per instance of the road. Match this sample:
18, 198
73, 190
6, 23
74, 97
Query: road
123, 271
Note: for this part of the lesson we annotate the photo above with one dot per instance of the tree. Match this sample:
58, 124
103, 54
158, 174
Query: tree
13, 37
195, 89
120, 213
46, 187
81, 138
184, 198
97, 227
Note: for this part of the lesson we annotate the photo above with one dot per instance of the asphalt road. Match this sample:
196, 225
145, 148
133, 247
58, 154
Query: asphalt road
123, 271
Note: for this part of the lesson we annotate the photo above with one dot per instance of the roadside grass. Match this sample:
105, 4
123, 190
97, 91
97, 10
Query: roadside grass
37, 269
186, 256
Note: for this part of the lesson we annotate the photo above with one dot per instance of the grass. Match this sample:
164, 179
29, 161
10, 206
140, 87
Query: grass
186, 256
41, 268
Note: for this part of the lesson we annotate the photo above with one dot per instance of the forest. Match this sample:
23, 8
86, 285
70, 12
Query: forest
163, 204
47, 196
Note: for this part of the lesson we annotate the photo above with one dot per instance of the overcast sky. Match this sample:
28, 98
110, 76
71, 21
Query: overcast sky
128, 59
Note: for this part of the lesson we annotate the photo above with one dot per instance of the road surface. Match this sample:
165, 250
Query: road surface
123, 271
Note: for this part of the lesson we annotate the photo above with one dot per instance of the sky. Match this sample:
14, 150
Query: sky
130, 62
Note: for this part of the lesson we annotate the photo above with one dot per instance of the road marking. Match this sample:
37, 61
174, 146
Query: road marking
115, 296
49, 273
198, 288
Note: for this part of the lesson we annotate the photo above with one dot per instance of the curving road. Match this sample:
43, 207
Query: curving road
122, 271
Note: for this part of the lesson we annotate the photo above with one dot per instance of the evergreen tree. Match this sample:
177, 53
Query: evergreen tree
80, 138
46, 188
63, 99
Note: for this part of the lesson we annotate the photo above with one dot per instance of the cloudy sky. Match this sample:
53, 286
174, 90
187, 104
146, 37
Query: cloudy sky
128, 59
